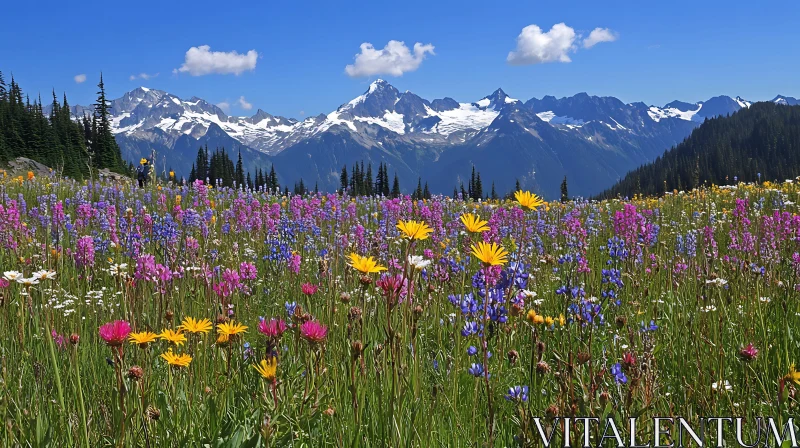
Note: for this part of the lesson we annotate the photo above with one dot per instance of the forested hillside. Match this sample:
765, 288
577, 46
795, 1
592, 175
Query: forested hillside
55, 138
761, 142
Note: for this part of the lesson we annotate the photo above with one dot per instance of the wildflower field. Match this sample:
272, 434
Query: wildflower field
184, 315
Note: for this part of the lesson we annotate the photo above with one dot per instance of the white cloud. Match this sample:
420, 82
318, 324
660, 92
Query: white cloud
201, 61
394, 59
599, 35
536, 47
80, 78
144, 76
244, 104
225, 106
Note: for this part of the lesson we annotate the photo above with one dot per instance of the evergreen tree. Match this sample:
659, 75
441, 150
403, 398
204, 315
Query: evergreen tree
418, 192
343, 178
396, 187
105, 151
426, 193
239, 170
478, 189
494, 193
273, 179
564, 191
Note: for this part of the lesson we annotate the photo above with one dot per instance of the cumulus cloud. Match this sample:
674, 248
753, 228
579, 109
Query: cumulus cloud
201, 61
80, 78
599, 35
394, 59
535, 46
244, 104
144, 76
225, 106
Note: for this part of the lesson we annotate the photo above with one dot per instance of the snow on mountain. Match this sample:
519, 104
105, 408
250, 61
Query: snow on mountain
150, 114
657, 114
786, 100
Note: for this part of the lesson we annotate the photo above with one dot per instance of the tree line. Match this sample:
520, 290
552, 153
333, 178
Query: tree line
55, 138
761, 142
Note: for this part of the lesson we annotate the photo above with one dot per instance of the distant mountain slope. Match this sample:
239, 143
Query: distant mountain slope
764, 138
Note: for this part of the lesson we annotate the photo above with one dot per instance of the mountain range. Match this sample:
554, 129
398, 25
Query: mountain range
592, 140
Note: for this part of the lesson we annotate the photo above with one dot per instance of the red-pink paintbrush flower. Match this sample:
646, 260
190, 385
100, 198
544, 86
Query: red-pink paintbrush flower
272, 329
309, 289
313, 331
115, 333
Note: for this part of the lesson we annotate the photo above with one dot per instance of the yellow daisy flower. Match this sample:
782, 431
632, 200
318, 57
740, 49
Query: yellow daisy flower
196, 326
267, 368
175, 337
415, 230
174, 360
367, 265
142, 338
490, 253
528, 199
474, 223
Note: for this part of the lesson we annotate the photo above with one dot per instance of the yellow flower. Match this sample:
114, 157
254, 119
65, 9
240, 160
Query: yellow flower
267, 368
366, 265
142, 338
172, 173
793, 375
549, 321
415, 230
30, 175
175, 337
474, 223
195, 326
528, 199
531, 316
223, 339
231, 328
490, 253
539, 319
561, 320
177, 360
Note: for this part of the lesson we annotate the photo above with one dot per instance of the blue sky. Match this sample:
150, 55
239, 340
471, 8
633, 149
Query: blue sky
662, 51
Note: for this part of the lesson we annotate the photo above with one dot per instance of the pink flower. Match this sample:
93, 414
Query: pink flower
115, 333
748, 353
309, 289
4, 283
272, 329
313, 331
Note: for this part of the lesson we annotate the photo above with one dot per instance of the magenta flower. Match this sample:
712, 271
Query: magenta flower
115, 333
748, 353
313, 331
309, 289
272, 329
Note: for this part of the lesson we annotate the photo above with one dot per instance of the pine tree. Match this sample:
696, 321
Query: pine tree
478, 189
494, 193
385, 188
239, 170
396, 187
273, 179
426, 193
343, 178
104, 147
564, 191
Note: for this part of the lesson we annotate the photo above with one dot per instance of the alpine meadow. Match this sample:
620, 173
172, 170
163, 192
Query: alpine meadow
282, 225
